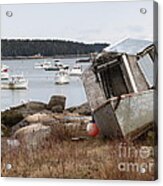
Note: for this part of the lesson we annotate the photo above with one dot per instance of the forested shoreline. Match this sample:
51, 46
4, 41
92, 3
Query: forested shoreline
50, 48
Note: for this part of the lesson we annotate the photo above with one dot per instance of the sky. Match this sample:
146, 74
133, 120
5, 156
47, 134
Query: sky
94, 22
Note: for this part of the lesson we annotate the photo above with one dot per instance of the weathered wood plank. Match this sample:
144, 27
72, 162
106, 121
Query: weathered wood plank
94, 92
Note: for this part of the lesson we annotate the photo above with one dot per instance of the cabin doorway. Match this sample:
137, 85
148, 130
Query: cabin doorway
114, 80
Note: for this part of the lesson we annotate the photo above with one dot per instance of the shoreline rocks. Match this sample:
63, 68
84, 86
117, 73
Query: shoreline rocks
57, 103
43, 118
31, 107
32, 135
39, 115
11, 117
83, 109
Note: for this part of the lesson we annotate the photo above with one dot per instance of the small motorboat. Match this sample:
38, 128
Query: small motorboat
57, 60
4, 72
15, 82
38, 66
56, 66
62, 77
76, 70
43, 65
4, 75
83, 60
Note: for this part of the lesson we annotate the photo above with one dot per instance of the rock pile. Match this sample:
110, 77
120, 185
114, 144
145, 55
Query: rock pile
31, 122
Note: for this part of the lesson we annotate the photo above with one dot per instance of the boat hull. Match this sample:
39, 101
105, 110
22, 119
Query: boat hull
131, 116
55, 68
51, 69
62, 80
75, 74
23, 85
4, 76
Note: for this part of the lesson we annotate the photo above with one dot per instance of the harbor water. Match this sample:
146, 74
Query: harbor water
41, 84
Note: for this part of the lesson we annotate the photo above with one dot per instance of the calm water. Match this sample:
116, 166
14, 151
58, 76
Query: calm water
41, 85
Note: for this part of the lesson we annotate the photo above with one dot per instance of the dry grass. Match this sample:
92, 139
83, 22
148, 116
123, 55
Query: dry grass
60, 157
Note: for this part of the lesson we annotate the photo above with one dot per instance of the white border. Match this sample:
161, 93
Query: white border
44, 182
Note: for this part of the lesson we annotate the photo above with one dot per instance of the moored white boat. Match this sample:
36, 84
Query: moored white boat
56, 66
4, 72
43, 65
38, 66
62, 77
4, 75
16, 82
76, 70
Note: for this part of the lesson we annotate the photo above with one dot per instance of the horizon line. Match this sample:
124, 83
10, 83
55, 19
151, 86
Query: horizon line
61, 39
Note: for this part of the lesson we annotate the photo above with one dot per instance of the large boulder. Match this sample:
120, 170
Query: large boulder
36, 106
44, 118
38, 117
83, 109
57, 103
31, 107
33, 136
57, 109
11, 117
16, 114
25, 109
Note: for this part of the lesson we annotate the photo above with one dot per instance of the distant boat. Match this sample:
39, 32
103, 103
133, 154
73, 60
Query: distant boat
62, 77
16, 82
4, 72
4, 75
43, 65
76, 70
57, 60
83, 60
38, 66
56, 66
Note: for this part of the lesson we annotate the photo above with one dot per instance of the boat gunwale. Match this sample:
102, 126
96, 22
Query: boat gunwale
122, 97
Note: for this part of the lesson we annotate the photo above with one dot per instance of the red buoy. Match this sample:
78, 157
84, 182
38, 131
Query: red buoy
92, 129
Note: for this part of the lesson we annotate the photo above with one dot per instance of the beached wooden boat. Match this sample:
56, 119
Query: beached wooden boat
121, 88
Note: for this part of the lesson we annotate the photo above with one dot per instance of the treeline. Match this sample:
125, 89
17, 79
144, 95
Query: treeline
47, 47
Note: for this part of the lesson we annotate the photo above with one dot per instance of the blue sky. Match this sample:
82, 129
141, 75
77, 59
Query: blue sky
84, 22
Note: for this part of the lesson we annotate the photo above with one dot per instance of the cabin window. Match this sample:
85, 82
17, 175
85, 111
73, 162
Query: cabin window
146, 66
152, 54
113, 79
